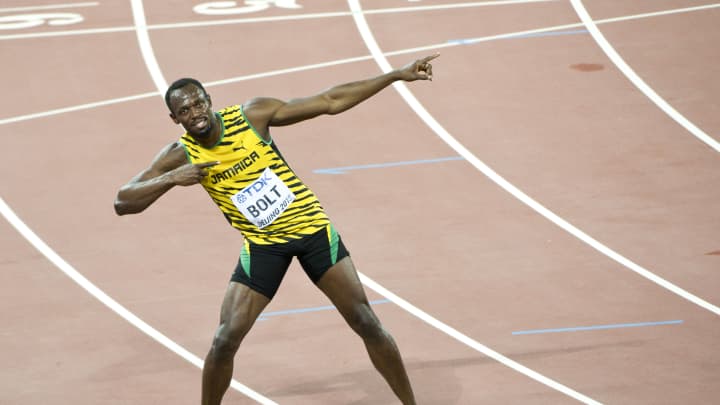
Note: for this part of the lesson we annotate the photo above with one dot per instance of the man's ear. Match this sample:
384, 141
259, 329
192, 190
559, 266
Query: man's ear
209, 99
172, 117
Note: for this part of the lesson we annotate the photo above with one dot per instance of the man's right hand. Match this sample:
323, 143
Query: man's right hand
189, 174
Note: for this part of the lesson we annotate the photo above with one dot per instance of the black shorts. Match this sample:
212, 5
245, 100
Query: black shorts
262, 267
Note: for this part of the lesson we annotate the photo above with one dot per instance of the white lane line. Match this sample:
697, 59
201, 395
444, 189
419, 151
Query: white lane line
375, 50
539, 208
48, 7
91, 288
79, 107
452, 6
637, 80
473, 343
385, 66
249, 20
26, 117
554, 28
76, 276
509, 187
146, 46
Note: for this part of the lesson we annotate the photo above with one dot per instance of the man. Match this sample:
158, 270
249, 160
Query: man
231, 154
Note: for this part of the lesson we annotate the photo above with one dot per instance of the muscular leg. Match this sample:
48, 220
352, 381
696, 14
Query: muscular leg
240, 309
342, 285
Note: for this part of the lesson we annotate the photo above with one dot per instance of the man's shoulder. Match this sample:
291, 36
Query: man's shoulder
173, 150
230, 109
170, 157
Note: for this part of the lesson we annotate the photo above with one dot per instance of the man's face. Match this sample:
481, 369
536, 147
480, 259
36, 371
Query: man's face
192, 109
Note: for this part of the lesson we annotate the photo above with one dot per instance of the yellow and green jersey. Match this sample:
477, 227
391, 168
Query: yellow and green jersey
253, 185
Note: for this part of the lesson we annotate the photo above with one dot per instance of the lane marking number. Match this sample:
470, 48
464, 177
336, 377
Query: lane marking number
251, 6
21, 21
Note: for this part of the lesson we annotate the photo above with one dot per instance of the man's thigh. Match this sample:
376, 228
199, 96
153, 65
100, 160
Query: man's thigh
262, 267
320, 252
241, 307
342, 285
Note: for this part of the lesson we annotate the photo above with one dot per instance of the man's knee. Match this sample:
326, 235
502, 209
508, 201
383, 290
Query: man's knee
227, 339
364, 322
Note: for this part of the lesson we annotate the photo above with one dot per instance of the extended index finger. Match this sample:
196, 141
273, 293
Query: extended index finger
207, 164
429, 58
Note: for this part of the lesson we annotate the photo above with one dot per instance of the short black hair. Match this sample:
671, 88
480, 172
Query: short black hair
179, 84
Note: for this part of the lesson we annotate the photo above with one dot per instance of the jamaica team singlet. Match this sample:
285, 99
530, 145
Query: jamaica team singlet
253, 185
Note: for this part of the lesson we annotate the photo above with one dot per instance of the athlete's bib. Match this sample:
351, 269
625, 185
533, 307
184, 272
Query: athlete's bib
264, 200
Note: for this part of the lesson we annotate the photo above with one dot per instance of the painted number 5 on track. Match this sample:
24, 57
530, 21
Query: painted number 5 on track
20, 21
251, 6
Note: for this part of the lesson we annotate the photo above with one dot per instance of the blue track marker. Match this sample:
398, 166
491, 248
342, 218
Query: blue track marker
597, 327
265, 315
470, 41
342, 170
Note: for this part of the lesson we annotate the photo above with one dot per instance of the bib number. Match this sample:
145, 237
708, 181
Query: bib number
264, 200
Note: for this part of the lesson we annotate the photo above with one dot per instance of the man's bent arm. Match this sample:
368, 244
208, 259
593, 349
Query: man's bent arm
169, 169
137, 195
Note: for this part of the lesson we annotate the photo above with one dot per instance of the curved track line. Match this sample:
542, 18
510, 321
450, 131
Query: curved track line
374, 49
457, 146
86, 284
517, 193
468, 341
143, 37
636, 80
91, 288
79, 107
161, 84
